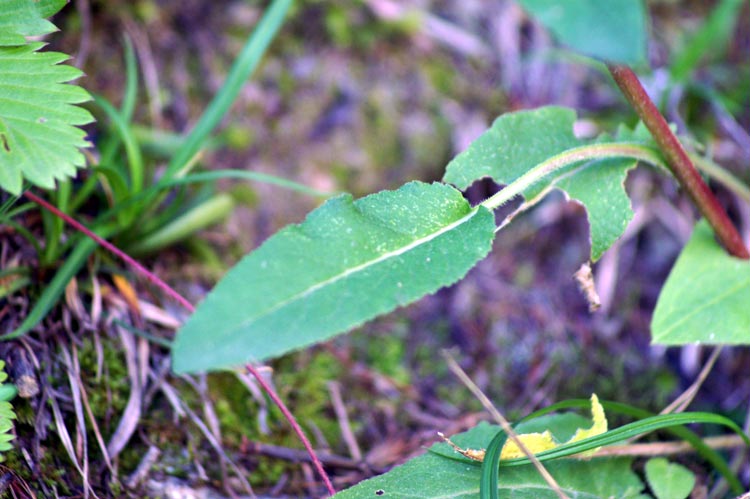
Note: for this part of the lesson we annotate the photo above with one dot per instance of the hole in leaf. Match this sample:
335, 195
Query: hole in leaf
379, 492
4, 141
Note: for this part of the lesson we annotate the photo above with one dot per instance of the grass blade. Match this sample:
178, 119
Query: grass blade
241, 70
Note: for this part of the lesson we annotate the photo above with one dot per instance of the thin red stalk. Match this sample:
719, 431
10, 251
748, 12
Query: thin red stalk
189, 306
114, 250
293, 422
678, 161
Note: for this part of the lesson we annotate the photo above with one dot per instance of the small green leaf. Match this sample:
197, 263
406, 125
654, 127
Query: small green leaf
433, 475
706, 296
38, 138
347, 263
669, 480
613, 30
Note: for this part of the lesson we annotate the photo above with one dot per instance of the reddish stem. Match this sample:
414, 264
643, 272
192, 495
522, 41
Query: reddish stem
295, 426
678, 161
114, 250
189, 306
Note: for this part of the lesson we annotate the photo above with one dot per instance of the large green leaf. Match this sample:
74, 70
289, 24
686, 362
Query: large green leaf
613, 30
39, 140
706, 296
433, 475
22, 18
519, 141
347, 263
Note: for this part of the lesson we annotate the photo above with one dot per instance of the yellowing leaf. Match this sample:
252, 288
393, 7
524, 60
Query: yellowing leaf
539, 442
600, 422
599, 426
534, 442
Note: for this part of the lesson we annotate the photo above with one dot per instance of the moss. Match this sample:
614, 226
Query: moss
301, 380
109, 394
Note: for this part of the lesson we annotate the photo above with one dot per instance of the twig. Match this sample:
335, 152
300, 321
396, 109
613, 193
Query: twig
680, 403
670, 448
295, 426
678, 161
477, 392
297, 455
339, 408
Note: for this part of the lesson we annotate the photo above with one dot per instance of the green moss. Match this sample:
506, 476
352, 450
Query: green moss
301, 380
108, 394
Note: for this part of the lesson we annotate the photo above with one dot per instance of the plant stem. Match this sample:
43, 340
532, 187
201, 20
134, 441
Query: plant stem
112, 249
678, 161
295, 426
565, 158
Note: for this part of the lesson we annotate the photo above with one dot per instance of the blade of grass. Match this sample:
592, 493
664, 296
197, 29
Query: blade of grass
212, 211
13, 279
55, 289
23, 231
490, 470
196, 178
244, 175
131, 82
132, 149
53, 226
241, 70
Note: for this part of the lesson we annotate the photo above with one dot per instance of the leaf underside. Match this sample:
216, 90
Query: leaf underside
348, 262
518, 141
614, 30
39, 138
706, 296
436, 475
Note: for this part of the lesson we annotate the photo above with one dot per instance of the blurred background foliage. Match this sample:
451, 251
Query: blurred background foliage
365, 95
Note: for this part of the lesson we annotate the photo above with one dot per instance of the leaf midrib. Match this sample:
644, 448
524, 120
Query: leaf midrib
353, 270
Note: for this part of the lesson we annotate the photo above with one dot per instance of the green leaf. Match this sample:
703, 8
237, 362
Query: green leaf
706, 296
433, 475
22, 18
347, 263
517, 142
669, 480
38, 138
614, 30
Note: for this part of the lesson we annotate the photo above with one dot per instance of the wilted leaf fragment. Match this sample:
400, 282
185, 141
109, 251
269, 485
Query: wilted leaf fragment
669, 480
39, 140
614, 30
706, 296
348, 262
